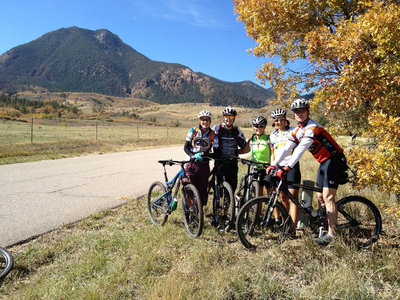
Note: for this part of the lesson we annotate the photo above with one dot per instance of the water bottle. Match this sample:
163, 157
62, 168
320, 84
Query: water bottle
174, 204
307, 205
306, 198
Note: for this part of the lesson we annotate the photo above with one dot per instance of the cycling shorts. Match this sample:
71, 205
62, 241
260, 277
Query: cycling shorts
294, 176
265, 180
332, 172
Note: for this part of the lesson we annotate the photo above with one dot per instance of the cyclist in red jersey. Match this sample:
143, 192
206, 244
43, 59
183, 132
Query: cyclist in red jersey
332, 171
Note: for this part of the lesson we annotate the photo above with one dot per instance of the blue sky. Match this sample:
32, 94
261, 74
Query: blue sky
201, 34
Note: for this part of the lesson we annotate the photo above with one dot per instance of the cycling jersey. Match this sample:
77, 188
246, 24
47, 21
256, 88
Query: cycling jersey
201, 142
260, 148
229, 140
278, 139
310, 136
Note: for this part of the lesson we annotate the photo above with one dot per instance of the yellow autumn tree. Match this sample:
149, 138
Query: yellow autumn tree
352, 53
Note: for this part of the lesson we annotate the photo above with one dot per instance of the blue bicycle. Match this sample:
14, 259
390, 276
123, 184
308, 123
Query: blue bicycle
162, 200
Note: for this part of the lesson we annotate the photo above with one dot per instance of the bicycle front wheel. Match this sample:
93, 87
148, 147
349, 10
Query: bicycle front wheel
157, 203
359, 221
255, 224
6, 262
192, 210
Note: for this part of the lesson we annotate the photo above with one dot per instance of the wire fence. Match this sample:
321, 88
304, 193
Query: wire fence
37, 130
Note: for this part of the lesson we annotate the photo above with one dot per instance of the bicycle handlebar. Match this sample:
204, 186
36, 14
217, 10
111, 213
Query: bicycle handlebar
171, 162
252, 162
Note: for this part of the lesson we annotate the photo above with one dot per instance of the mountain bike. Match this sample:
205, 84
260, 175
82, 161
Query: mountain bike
6, 262
162, 200
249, 183
223, 200
359, 221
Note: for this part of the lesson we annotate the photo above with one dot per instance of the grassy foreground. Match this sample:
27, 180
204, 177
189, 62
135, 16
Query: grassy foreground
119, 254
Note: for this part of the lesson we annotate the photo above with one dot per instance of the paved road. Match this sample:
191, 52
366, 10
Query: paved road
38, 197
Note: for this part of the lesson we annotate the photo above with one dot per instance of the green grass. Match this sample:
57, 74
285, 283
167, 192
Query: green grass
120, 254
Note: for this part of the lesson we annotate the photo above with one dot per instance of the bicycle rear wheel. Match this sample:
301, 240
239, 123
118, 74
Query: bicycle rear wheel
6, 262
359, 221
157, 206
192, 210
241, 195
226, 207
252, 228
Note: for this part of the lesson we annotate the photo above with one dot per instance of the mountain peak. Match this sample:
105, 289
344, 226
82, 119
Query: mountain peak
82, 60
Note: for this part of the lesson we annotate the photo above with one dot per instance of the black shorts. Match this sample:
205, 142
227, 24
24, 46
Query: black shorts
265, 180
294, 176
332, 172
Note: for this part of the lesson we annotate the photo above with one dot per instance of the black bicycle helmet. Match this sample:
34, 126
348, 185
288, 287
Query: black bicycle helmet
229, 111
279, 112
259, 120
299, 103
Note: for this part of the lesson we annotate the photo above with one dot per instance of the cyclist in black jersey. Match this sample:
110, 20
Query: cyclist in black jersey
230, 139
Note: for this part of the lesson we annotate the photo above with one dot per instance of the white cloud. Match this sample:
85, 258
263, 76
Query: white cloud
193, 12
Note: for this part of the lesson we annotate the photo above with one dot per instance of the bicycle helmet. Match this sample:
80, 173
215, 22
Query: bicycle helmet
279, 112
204, 113
299, 103
229, 111
260, 120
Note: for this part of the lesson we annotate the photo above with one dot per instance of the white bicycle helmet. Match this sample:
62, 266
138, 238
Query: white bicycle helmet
279, 112
229, 111
299, 103
204, 113
259, 120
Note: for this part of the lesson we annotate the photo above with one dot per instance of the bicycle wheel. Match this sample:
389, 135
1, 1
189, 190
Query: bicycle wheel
241, 195
359, 221
6, 262
192, 210
226, 208
157, 206
253, 230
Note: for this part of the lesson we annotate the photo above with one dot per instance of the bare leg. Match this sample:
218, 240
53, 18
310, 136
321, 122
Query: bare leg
327, 198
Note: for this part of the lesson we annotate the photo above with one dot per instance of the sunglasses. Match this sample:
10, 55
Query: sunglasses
229, 117
299, 110
205, 119
259, 126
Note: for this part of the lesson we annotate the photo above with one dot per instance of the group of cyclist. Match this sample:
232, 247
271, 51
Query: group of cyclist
283, 149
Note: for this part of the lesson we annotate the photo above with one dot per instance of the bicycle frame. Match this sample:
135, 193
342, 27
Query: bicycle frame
251, 175
170, 185
282, 187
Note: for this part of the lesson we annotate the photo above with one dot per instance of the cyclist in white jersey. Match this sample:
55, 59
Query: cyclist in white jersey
279, 137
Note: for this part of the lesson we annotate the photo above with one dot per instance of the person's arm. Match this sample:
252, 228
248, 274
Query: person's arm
241, 139
245, 149
305, 143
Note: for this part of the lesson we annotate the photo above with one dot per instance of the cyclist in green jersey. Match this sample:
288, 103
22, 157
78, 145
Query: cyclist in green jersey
260, 147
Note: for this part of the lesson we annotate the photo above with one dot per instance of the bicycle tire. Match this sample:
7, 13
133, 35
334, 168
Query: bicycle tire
192, 211
359, 221
226, 211
6, 262
252, 234
254, 192
158, 209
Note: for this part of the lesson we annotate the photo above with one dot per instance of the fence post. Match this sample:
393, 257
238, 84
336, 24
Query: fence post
32, 131
167, 133
96, 130
137, 128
